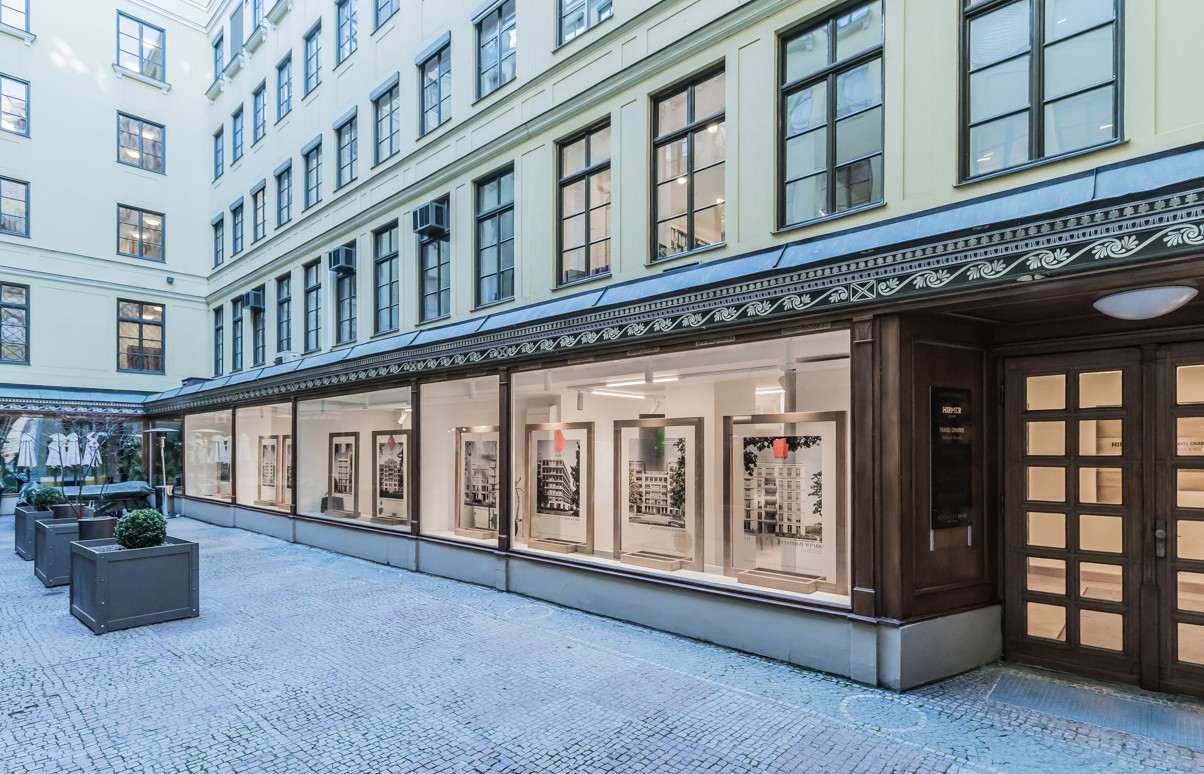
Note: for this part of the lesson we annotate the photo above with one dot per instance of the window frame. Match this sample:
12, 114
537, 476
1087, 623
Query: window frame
346, 169
284, 313
478, 28
284, 203
219, 55
26, 186
442, 244
219, 241
344, 296
142, 26
25, 18
236, 334
312, 290
237, 230
259, 345
142, 323
27, 325
378, 19
561, 40
259, 112
479, 216
563, 181
284, 86
219, 340
316, 154
423, 128
314, 37
28, 94
345, 30
259, 214
219, 152
392, 260
236, 135
393, 98
141, 227
142, 153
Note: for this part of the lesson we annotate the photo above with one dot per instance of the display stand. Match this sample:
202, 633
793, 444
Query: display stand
477, 482
391, 466
560, 465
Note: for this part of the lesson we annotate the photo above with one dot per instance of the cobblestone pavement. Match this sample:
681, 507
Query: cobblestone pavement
306, 661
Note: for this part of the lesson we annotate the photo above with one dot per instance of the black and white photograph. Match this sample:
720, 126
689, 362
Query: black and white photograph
558, 477
656, 480
344, 464
477, 482
559, 464
390, 475
268, 467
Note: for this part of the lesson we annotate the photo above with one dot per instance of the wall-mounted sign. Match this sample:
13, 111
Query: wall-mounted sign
951, 469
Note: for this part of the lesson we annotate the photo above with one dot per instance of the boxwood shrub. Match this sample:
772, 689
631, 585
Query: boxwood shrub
142, 528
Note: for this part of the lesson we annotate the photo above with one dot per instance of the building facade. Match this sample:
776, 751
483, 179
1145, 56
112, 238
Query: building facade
489, 219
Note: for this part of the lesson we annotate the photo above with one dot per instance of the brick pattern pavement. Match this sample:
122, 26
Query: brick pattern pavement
307, 661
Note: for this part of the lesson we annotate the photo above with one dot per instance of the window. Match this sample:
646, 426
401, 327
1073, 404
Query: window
1041, 81
384, 251
15, 13
313, 177
14, 207
218, 339
219, 241
585, 205
139, 233
497, 37
139, 143
236, 335
348, 153
385, 9
284, 87
236, 135
219, 153
256, 13
284, 313
236, 230
495, 237
284, 196
14, 105
347, 18
259, 113
436, 89
388, 123
689, 150
577, 16
258, 334
14, 323
313, 305
831, 107
139, 337
313, 63
140, 47
259, 207
434, 275
344, 303
219, 57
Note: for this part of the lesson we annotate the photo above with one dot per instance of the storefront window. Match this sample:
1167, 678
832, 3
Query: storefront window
68, 451
353, 457
264, 456
728, 465
460, 459
207, 455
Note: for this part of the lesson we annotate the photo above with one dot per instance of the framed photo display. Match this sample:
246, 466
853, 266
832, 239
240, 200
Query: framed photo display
658, 492
784, 497
269, 470
477, 482
342, 497
560, 465
286, 488
390, 477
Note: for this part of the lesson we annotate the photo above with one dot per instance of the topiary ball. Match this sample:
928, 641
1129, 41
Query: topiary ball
142, 528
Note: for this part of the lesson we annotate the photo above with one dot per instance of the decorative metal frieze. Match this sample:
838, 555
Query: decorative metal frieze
1161, 228
10, 406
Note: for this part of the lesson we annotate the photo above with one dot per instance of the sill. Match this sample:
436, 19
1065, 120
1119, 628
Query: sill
287, 113
233, 66
144, 258
604, 275
383, 22
137, 166
282, 223
339, 63
124, 72
430, 320
309, 207
834, 216
491, 304
257, 37
384, 334
13, 233
137, 371
17, 134
1039, 163
277, 11
686, 254
581, 35
433, 129
14, 362
341, 186
20, 34
500, 87
314, 88
378, 162
344, 345
311, 351
215, 89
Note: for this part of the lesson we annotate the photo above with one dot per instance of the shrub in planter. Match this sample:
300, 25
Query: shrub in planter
41, 500
142, 528
45, 498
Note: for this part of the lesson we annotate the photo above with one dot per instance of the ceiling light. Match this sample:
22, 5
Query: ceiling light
613, 394
770, 391
1145, 303
633, 382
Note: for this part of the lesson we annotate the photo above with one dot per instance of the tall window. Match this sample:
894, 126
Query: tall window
259, 209
139, 143
259, 113
140, 47
313, 305
284, 87
385, 9
236, 135
436, 89
577, 16
495, 237
139, 233
388, 123
14, 207
14, 323
219, 56
348, 18
344, 304
219, 241
313, 177
258, 334
236, 230
236, 335
219, 153
218, 340
284, 313
313, 62
831, 108
497, 36
14, 105
434, 275
139, 337
348, 153
15, 13
384, 251
585, 205
256, 13
284, 196
1041, 80
689, 140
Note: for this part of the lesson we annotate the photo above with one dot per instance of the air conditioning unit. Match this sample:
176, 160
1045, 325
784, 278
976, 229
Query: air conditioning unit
287, 356
253, 299
342, 260
430, 220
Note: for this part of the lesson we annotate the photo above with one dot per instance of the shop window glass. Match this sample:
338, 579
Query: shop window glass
208, 455
1045, 393
1101, 533
1102, 630
263, 456
1047, 576
1046, 439
1047, 529
1189, 383
1100, 389
1101, 437
54, 451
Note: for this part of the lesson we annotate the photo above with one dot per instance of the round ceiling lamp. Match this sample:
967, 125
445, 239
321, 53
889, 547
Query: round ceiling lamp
1145, 303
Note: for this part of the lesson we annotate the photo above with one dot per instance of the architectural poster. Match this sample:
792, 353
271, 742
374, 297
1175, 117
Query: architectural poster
344, 464
286, 443
268, 469
391, 448
477, 482
560, 467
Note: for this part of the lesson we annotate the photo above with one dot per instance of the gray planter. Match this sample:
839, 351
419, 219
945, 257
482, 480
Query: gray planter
97, 527
23, 530
115, 589
71, 511
52, 550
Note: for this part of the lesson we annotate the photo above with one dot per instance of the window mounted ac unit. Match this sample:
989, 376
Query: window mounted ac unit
287, 356
342, 260
253, 299
430, 220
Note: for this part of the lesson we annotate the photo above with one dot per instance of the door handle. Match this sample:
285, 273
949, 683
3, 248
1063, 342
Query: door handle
1160, 538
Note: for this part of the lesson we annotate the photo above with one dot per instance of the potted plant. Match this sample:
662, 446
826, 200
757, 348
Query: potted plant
39, 505
53, 537
140, 576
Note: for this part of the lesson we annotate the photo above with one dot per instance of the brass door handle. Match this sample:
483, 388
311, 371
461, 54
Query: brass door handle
1160, 538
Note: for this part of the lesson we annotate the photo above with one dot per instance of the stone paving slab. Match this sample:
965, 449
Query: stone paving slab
308, 661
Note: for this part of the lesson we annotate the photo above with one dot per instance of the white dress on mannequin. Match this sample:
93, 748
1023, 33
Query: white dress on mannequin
54, 453
27, 452
92, 450
71, 450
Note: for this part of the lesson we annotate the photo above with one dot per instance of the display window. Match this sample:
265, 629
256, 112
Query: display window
460, 445
727, 465
354, 458
87, 449
263, 456
208, 455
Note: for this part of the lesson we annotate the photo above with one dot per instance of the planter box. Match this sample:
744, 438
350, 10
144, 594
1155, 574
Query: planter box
24, 532
118, 589
52, 550
97, 527
71, 511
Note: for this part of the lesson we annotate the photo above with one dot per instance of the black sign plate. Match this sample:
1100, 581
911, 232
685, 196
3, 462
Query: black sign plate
951, 489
